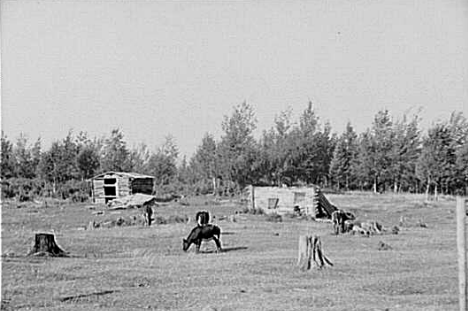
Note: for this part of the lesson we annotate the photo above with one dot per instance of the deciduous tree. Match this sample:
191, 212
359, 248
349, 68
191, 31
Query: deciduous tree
115, 153
8, 159
238, 151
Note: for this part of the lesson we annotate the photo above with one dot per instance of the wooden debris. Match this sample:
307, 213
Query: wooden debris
105, 292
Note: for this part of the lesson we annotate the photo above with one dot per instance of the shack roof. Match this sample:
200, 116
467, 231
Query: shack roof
126, 174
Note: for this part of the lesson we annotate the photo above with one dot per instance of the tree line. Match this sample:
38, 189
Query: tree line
391, 155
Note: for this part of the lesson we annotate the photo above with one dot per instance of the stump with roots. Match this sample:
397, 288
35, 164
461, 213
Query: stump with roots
45, 245
311, 254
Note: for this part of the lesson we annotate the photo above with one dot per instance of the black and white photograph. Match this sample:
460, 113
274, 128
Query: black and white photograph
234, 155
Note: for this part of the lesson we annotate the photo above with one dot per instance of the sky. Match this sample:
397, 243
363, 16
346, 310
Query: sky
158, 68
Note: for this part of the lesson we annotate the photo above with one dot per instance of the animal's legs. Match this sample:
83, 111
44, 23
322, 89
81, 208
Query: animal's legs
337, 228
218, 243
197, 249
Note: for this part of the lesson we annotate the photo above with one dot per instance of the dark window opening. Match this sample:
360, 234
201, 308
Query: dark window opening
110, 181
110, 191
272, 203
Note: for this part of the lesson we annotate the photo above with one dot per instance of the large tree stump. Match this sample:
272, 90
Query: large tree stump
45, 245
311, 254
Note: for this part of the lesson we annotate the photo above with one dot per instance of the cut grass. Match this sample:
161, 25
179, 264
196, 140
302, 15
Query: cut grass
147, 269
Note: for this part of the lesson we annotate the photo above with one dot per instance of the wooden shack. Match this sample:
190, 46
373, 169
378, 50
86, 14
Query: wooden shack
111, 185
277, 200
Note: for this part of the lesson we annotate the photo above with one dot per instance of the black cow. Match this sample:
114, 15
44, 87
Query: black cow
203, 218
207, 232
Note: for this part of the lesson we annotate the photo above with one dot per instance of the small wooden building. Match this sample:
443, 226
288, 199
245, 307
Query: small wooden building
110, 185
277, 200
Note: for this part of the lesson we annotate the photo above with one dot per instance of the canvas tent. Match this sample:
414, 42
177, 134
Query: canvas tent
308, 200
111, 185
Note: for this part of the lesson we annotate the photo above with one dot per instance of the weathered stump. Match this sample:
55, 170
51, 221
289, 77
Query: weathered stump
311, 254
45, 245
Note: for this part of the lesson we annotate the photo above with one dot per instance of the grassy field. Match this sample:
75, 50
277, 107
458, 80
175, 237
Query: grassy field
145, 268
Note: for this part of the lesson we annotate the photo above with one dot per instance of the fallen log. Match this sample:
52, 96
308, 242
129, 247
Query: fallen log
105, 292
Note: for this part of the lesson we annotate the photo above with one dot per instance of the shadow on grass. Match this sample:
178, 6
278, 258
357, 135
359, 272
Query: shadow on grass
232, 249
225, 250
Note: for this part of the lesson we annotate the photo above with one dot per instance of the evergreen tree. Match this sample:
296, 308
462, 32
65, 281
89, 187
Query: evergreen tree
458, 129
382, 142
274, 159
434, 163
363, 169
404, 154
462, 166
68, 165
344, 155
310, 149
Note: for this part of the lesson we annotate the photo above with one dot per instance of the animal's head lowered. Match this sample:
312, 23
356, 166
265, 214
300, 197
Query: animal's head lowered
350, 216
185, 245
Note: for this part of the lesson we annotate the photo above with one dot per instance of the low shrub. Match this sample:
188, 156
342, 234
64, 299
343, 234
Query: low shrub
291, 215
273, 218
252, 211
75, 191
159, 220
23, 189
177, 219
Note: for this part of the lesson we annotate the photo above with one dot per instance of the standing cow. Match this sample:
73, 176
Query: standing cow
339, 219
148, 214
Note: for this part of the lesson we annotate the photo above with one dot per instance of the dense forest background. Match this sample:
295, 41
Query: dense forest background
392, 155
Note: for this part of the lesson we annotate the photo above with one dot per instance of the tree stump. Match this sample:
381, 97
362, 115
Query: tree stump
311, 254
45, 245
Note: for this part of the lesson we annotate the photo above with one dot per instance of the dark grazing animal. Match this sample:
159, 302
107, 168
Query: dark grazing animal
148, 214
202, 218
207, 232
339, 218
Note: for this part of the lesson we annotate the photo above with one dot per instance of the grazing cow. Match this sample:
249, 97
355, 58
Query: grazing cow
339, 218
203, 218
207, 232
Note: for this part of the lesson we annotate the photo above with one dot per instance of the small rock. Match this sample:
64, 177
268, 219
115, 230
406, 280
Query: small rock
383, 246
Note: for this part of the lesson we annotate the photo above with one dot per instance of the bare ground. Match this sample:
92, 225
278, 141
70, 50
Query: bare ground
133, 268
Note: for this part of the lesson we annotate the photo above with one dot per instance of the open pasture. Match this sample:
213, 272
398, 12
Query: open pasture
133, 268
